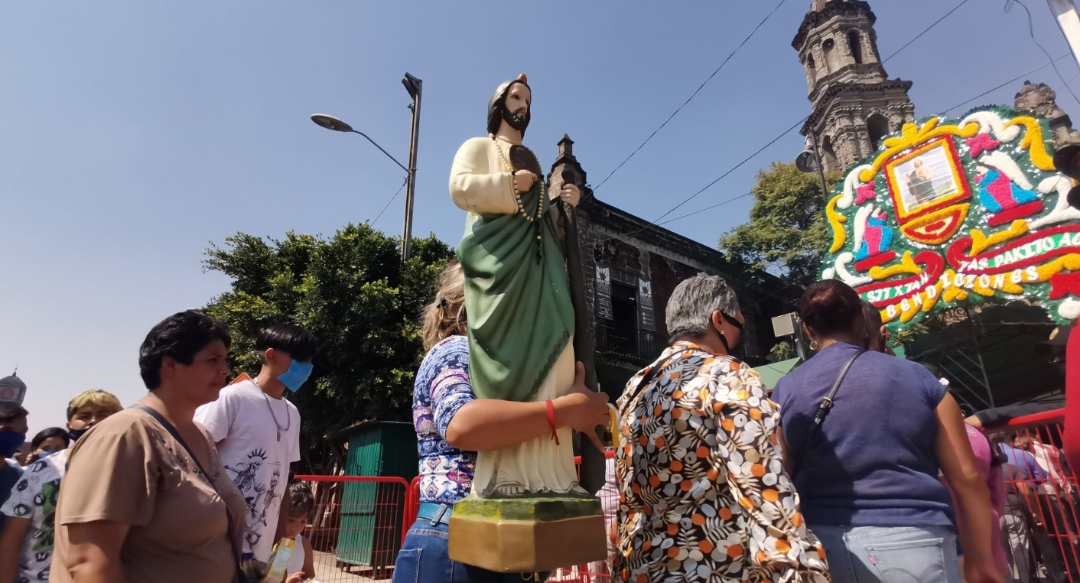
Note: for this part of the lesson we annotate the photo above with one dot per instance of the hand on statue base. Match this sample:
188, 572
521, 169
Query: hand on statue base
523, 181
582, 409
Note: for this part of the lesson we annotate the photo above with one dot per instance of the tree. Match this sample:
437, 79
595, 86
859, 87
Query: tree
786, 234
353, 293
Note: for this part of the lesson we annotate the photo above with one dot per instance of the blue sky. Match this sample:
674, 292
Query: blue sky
132, 134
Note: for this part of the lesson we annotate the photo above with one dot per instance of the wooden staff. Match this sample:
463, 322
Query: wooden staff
593, 465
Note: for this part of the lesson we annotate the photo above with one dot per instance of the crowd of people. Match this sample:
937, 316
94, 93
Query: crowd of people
191, 483
859, 467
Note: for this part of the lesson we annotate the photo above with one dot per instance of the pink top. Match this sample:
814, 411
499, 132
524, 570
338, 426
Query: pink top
1071, 435
995, 481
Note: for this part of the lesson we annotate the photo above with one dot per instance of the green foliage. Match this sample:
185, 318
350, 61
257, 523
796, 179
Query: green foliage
787, 232
353, 293
908, 334
780, 352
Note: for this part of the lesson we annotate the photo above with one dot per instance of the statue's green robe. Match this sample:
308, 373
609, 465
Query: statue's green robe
517, 301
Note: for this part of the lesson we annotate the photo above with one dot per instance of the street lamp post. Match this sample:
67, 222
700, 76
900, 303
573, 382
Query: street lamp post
810, 161
413, 86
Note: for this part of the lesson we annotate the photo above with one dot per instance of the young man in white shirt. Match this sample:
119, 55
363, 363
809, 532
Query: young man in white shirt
258, 431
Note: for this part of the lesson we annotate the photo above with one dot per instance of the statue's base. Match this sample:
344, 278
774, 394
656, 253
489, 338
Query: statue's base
527, 535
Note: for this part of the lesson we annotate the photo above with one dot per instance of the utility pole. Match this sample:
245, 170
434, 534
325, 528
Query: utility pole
415, 87
1069, 23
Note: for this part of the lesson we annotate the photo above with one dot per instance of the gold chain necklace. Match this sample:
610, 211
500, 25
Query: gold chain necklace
517, 195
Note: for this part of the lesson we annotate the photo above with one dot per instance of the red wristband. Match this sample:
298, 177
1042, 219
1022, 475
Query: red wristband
551, 421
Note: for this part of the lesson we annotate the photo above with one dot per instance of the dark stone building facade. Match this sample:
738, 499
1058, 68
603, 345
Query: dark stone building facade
632, 267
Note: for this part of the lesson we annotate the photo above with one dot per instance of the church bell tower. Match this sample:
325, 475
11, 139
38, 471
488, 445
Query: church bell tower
854, 104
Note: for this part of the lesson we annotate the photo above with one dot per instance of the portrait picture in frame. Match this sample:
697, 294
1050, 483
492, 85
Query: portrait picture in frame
927, 178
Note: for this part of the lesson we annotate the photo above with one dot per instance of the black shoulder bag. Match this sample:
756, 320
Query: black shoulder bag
241, 572
822, 412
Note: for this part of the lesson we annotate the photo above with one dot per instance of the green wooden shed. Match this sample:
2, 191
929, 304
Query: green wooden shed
371, 513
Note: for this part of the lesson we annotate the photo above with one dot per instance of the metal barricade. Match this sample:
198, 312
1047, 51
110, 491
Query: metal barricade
360, 522
358, 526
597, 571
1039, 527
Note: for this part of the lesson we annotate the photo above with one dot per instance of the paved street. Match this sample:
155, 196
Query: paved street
328, 572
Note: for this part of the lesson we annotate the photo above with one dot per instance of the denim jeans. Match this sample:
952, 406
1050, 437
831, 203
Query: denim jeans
869, 554
424, 558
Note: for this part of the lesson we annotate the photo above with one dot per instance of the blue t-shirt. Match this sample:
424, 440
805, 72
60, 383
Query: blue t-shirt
872, 461
1027, 467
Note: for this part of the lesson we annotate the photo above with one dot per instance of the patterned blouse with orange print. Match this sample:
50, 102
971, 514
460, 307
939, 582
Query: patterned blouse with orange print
703, 495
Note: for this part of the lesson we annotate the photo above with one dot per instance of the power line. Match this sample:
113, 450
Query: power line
984, 93
708, 208
1013, 80
391, 201
730, 170
693, 95
785, 132
928, 29
1030, 31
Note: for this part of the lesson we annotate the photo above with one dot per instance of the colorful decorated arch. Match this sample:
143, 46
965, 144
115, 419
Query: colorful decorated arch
951, 212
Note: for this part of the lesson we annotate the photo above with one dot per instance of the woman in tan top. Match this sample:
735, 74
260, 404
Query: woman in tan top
134, 505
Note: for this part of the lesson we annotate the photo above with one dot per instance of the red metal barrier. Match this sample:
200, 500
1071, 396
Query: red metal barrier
360, 522
358, 525
1040, 526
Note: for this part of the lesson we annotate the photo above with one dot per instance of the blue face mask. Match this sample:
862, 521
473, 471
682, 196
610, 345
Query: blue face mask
10, 442
297, 375
75, 434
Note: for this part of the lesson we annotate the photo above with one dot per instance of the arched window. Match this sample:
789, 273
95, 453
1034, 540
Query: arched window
877, 126
810, 64
855, 44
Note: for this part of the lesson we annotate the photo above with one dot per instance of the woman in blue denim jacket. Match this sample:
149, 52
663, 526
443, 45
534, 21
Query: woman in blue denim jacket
452, 425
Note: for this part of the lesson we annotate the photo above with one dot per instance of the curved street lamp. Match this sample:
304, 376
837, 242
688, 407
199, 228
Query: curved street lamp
332, 123
414, 87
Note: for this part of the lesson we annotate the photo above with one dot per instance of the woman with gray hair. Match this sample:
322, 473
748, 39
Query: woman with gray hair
703, 493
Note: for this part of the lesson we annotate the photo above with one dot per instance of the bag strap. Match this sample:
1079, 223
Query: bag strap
823, 411
176, 435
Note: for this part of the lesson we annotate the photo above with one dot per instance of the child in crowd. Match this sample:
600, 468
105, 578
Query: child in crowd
47, 442
300, 505
26, 542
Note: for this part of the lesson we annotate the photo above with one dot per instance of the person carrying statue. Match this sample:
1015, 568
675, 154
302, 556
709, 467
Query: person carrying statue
520, 331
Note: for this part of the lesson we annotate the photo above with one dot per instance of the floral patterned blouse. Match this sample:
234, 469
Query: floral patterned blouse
703, 495
442, 389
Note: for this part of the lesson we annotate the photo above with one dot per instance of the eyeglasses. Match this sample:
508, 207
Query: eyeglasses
738, 325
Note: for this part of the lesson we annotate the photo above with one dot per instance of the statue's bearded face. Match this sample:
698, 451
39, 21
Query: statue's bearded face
518, 101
